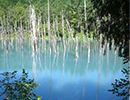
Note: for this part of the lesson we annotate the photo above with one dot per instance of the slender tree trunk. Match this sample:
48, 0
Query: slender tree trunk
49, 29
63, 31
4, 24
15, 26
53, 27
68, 26
44, 28
21, 30
28, 26
85, 17
1, 28
57, 27
38, 27
33, 27
54, 36
7, 25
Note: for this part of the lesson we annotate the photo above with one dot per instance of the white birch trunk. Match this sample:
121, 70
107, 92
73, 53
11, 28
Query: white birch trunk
63, 31
85, 15
57, 27
44, 28
49, 28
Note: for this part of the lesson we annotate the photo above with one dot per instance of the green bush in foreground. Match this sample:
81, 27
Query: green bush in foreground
13, 87
121, 86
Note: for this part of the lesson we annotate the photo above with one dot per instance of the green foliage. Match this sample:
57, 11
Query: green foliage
108, 17
13, 87
121, 87
113, 19
80, 36
26, 35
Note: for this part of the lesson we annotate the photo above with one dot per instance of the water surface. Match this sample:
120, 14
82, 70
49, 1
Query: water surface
62, 75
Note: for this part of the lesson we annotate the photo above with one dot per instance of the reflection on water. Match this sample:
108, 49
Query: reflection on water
78, 72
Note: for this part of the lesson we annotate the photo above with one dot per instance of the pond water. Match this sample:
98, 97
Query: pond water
76, 71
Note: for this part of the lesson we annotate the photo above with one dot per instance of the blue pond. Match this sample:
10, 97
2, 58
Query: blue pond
74, 72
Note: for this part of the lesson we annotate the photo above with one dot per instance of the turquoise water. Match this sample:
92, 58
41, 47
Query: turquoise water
62, 75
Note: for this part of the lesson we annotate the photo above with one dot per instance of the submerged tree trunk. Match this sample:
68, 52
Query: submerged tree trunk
54, 36
33, 27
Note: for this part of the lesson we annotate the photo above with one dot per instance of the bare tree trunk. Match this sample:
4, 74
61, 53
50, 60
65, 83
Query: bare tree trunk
15, 26
85, 17
54, 28
7, 25
63, 31
54, 37
21, 31
68, 26
57, 27
1, 28
33, 27
44, 28
4, 24
38, 27
64, 44
49, 25
49, 29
